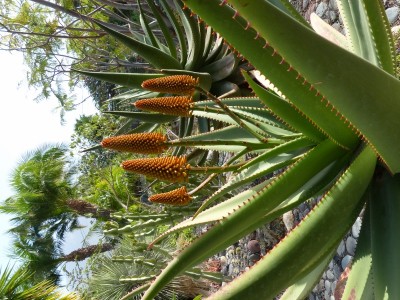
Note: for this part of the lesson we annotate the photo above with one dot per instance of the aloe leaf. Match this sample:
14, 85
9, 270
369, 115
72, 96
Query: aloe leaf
178, 30
359, 283
164, 28
153, 55
302, 91
358, 98
209, 39
236, 101
218, 47
221, 68
299, 253
192, 34
284, 110
132, 80
385, 240
301, 289
327, 31
245, 217
146, 28
288, 8
144, 117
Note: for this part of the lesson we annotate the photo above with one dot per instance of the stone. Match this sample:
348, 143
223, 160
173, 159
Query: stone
333, 5
351, 244
330, 275
327, 286
288, 220
392, 14
337, 26
336, 271
223, 261
326, 294
253, 246
332, 16
345, 261
321, 9
341, 249
355, 229
305, 3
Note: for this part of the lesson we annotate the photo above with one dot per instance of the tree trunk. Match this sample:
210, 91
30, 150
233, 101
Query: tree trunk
83, 253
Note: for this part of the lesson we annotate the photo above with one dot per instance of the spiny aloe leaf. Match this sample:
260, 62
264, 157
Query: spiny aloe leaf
222, 68
154, 56
164, 28
144, 117
178, 30
149, 35
359, 283
364, 94
132, 80
304, 92
299, 253
273, 162
385, 238
302, 288
236, 101
217, 212
242, 220
327, 31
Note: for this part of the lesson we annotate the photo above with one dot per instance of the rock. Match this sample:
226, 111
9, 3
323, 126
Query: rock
305, 3
337, 26
333, 5
253, 246
327, 286
341, 249
345, 261
332, 16
330, 275
223, 261
355, 229
351, 245
392, 14
321, 9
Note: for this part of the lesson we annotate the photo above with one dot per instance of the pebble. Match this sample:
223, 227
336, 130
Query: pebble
345, 261
392, 14
330, 275
355, 229
351, 245
341, 249
321, 9
305, 3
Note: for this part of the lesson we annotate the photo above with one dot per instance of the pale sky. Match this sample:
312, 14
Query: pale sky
24, 126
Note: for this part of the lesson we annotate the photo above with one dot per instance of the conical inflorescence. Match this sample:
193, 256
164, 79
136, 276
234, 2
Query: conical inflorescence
172, 168
176, 197
144, 143
176, 106
176, 84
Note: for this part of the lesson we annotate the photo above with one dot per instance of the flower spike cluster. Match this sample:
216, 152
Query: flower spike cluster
177, 197
175, 84
176, 106
144, 143
173, 168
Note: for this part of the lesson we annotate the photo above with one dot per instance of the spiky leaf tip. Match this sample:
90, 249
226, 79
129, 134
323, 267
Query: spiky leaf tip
172, 168
178, 197
175, 106
175, 84
144, 143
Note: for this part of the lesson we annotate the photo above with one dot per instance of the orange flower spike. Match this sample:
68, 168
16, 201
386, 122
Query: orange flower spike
173, 168
178, 197
144, 143
175, 106
176, 84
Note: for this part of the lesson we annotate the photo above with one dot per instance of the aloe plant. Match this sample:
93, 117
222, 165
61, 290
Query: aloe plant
333, 128
326, 119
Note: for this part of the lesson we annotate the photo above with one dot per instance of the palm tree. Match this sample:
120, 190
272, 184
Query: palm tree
13, 285
44, 209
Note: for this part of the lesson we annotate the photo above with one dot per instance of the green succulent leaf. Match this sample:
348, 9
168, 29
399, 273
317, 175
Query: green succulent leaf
358, 98
144, 117
300, 252
156, 57
132, 80
247, 216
